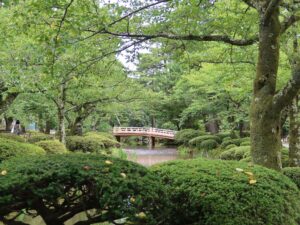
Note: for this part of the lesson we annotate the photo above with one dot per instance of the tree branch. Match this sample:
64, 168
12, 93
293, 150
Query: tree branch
289, 22
216, 38
273, 5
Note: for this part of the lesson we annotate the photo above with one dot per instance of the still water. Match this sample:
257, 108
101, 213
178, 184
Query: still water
148, 157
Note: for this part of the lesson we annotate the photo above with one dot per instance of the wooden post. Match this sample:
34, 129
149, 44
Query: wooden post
151, 142
118, 138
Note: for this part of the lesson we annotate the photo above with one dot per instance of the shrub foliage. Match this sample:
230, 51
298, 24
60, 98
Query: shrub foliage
293, 173
185, 135
211, 192
10, 148
57, 187
52, 147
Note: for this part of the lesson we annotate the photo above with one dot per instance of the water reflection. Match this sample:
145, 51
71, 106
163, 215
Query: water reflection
148, 157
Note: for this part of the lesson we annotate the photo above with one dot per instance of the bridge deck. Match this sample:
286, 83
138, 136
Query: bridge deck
144, 131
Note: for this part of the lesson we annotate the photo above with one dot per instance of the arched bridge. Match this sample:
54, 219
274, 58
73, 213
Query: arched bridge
150, 132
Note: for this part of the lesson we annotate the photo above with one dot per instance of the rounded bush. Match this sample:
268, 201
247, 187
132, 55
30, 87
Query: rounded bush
230, 146
293, 173
285, 157
33, 137
198, 140
236, 142
226, 139
10, 148
208, 144
236, 153
214, 192
107, 139
84, 144
13, 137
245, 143
224, 136
52, 147
57, 187
185, 135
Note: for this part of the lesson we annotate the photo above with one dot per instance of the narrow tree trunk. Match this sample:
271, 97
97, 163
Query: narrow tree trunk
48, 127
294, 135
61, 126
264, 114
8, 123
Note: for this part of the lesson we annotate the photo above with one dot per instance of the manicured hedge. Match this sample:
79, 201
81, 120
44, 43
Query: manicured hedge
293, 173
33, 137
208, 192
236, 153
185, 135
10, 148
208, 144
91, 142
236, 142
13, 137
196, 142
52, 147
58, 187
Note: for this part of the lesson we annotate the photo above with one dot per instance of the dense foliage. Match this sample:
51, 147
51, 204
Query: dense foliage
10, 148
214, 192
57, 187
293, 173
52, 146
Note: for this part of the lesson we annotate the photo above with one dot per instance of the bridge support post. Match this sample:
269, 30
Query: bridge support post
118, 138
151, 142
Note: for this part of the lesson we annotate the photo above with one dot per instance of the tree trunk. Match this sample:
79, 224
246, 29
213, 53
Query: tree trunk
76, 128
8, 123
294, 135
48, 127
61, 126
264, 114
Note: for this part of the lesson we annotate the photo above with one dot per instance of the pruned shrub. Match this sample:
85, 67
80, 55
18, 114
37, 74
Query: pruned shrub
293, 173
213, 192
236, 153
285, 157
57, 187
236, 142
245, 143
52, 147
198, 140
33, 137
107, 139
10, 148
226, 136
13, 137
226, 139
230, 146
184, 136
84, 144
208, 144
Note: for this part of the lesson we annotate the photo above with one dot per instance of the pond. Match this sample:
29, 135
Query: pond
148, 157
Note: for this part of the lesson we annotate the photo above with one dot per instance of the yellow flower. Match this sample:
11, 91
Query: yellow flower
123, 175
3, 172
107, 162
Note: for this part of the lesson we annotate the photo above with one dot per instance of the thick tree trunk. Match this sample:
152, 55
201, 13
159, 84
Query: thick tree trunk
294, 135
76, 128
264, 114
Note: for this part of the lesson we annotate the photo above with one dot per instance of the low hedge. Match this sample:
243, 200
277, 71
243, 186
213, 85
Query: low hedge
230, 146
236, 153
84, 144
293, 173
226, 135
107, 139
245, 143
10, 148
13, 137
185, 135
52, 147
58, 187
236, 142
214, 192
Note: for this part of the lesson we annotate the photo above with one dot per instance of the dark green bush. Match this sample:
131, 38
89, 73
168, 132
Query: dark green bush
236, 142
57, 187
213, 192
226, 139
84, 144
107, 139
13, 137
245, 143
196, 142
52, 147
226, 135
10, 148
285, 157
293, 173
208, 144
33, 137
236, 153
184, 136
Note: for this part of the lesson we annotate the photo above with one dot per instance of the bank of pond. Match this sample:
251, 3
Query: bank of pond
90, 181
